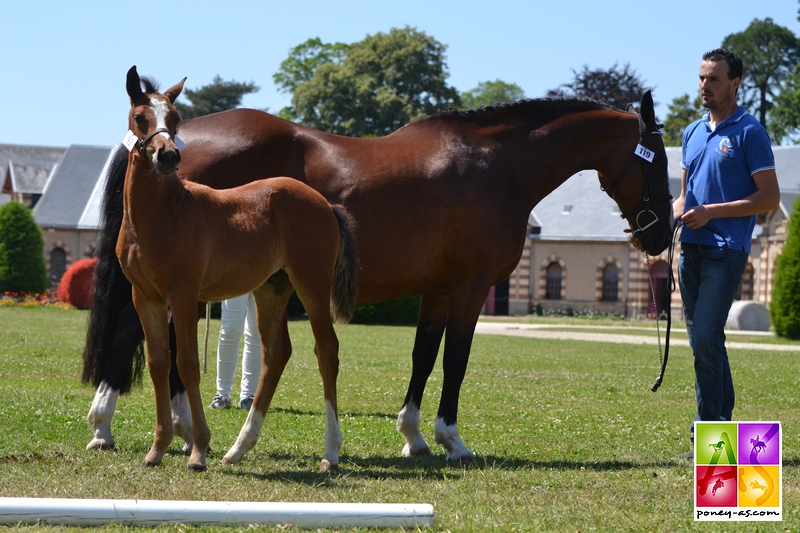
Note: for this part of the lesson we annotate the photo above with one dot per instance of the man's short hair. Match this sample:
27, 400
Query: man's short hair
735, 68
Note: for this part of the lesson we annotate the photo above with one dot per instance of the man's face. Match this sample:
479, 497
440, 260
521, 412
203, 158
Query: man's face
716, 89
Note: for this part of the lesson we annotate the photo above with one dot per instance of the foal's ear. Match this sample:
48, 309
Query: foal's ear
133, 85
173, 92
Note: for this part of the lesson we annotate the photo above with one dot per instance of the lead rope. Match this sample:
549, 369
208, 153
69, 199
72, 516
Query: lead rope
670, 259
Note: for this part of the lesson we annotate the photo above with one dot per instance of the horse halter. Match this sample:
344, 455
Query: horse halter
647, 201
143, 142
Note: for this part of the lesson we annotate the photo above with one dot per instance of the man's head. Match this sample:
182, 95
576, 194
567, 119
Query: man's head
718, 55
720, 77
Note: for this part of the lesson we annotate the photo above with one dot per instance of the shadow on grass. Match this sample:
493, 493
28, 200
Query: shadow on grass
432, 467
300, 412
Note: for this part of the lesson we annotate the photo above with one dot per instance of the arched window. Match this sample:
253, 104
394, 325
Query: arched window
610, 283
553, 284
58, 265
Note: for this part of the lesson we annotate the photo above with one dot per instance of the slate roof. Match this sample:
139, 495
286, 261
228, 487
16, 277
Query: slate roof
73, 195
26, 169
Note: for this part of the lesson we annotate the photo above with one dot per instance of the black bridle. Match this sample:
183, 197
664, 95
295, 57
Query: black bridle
647, 202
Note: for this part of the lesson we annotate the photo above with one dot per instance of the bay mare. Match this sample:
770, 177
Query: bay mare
182, 242
441, 209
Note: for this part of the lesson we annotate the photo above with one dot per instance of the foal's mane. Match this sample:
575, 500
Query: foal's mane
151, 85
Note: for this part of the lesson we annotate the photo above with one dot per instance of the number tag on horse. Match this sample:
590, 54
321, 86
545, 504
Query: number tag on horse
179, 144
130, 140
644, 153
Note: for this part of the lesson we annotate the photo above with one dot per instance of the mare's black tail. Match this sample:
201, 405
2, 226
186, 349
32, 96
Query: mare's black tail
113, 351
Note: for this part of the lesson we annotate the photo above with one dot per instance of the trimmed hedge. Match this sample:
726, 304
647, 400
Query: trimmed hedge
77, 284
785, 307
22, 267
394, 312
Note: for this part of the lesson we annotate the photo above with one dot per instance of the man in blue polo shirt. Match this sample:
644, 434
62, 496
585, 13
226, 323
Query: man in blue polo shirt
728, 178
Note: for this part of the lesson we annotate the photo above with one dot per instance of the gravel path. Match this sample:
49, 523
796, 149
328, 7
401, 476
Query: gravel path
538, 331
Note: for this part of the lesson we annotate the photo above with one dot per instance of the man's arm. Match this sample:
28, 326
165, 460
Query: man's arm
680, 201
766, 198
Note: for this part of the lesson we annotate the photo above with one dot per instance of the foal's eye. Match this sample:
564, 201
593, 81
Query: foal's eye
139, 119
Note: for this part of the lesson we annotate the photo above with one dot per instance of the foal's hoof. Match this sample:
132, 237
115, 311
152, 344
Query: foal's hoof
463, 461
422, 452
150, 464
101, 444
196, 468
326, 466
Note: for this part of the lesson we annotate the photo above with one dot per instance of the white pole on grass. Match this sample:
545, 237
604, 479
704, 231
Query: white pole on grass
90, 512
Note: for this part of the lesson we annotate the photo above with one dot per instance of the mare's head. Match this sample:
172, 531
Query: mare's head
642, 189
154, 120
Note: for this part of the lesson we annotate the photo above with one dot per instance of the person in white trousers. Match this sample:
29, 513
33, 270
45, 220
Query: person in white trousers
238, 315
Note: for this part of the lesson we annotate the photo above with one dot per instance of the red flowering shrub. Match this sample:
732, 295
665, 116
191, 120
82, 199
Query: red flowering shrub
76, 285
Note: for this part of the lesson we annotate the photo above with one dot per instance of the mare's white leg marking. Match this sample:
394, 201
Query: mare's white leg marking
182, 419
99, 417
333, 436
408, 426
448, 437
247, 437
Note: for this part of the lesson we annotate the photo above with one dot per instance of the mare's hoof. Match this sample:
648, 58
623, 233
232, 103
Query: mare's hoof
196, 468
150, 464
326, 466
422, 452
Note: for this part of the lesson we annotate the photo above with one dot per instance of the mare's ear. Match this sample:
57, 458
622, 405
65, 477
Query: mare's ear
133, 85
173, 92
647, 110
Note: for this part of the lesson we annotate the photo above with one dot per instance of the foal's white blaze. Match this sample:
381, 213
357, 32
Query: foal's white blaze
182, 419
408, 426
333, 435
161, 110
99, 417
448, 437
247, 437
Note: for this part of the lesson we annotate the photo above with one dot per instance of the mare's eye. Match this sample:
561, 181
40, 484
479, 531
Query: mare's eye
139, 119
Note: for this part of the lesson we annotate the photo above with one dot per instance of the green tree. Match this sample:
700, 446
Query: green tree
299, 67
489, 93
682, 112
373, 86
22, 267
616, 86
770, 54
785, 306
785, 116
218, 96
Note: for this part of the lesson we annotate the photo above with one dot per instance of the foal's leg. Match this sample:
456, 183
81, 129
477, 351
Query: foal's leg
181, 413
326, 348
462, 315
276, 349
430, 327
184, 316
313, 280
153, 315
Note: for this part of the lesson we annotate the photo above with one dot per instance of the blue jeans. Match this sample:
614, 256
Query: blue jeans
709, 278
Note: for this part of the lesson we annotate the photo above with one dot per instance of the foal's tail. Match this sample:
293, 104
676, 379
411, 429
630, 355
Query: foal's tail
345, 276
113, 351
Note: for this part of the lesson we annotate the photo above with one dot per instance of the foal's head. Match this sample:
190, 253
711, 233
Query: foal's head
153, 120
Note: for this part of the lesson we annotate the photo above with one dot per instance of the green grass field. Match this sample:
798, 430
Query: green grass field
567, 433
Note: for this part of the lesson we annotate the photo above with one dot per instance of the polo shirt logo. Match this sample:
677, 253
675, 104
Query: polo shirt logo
725, 147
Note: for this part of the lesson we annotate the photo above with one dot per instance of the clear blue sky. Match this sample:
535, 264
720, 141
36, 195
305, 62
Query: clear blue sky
63, 64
